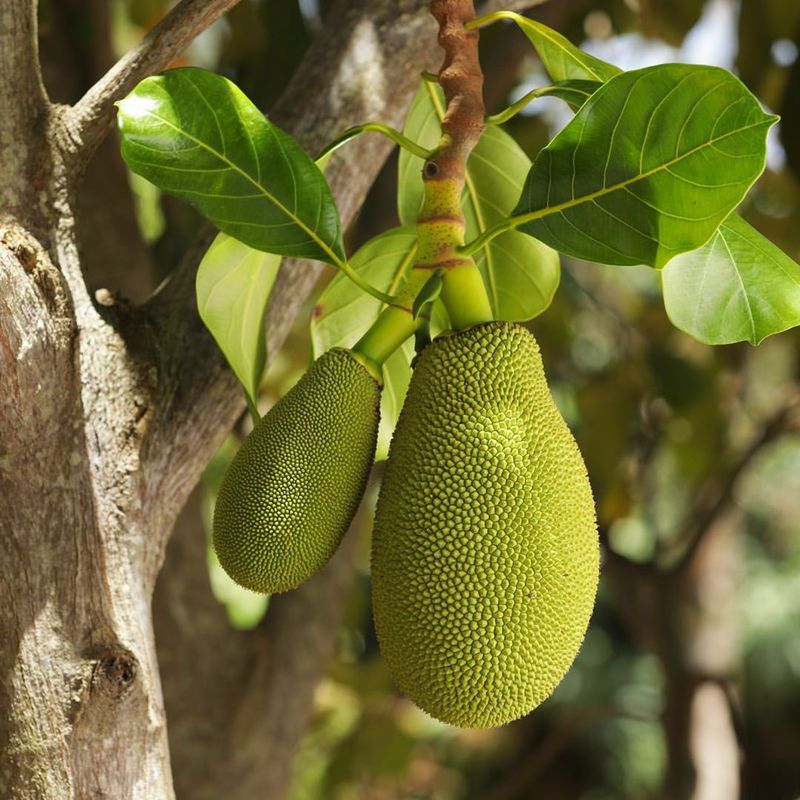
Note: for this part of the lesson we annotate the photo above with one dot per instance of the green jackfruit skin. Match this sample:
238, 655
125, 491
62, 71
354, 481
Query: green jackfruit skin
485, 554
291, 491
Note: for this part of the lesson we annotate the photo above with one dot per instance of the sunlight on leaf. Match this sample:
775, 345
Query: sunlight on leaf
196, 135
233, 286
737, 288
649, 167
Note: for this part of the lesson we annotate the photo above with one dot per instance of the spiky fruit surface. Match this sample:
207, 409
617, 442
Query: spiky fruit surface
295, 484
485, 553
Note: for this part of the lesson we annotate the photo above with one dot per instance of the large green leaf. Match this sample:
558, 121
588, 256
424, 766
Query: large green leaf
233, 285
738, 287
521, 274
196, 135
649, 167
562, 60
343, 313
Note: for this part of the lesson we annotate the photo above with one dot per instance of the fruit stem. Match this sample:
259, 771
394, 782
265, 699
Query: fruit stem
464, 296
440, 225
394, 325
390, 330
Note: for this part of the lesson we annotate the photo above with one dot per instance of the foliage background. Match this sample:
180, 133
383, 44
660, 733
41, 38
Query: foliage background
685, 444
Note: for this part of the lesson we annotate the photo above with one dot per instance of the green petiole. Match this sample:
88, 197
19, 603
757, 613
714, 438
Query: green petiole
252, 408
374, 127
504, 225
573, 92
363, 285
506, 114
495, 16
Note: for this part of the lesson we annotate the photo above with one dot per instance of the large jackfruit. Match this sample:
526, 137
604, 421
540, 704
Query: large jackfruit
295, 484
485, 553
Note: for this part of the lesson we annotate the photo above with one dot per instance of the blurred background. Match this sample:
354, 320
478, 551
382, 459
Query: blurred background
688, 683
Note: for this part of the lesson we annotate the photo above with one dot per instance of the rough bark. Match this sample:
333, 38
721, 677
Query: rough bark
26, 111
79, 676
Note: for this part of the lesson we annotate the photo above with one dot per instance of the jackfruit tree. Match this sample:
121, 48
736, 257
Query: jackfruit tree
485, 553
486, 544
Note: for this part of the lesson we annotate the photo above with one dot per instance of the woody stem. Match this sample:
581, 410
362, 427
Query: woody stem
440, 225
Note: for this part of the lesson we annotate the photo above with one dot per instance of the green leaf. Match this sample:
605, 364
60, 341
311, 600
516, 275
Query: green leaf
196, 135
422, 126
396, 377
521, 274
562, 60
343, 313
524, 276
649, 167
233, 286
737, 288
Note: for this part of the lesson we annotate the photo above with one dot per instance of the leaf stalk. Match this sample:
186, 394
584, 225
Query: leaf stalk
374, 127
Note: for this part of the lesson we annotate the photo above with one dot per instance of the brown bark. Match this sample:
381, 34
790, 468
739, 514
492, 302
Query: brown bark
79, 676
26, 110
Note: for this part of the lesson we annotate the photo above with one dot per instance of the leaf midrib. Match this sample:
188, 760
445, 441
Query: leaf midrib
605, 190
262, 190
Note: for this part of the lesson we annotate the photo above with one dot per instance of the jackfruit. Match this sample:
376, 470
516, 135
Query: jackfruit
291, 491
485, 554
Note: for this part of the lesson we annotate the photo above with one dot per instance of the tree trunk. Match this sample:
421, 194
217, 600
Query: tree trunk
80, 696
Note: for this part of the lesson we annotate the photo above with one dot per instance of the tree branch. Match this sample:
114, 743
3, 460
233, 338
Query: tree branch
91, 118
25, 109
716, 496
258, 696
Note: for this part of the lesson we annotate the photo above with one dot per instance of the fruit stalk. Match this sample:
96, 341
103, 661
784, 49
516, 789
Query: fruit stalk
440, 225
441, 222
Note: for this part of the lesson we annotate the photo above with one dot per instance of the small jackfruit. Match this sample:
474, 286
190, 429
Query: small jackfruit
485, 553
291, 491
